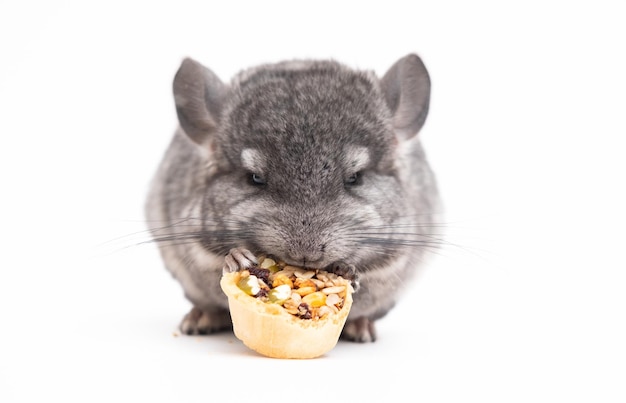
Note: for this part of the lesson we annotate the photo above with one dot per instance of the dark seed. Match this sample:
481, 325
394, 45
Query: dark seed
303, 311
260, 273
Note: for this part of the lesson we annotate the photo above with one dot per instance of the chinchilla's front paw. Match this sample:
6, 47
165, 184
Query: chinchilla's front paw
347, 271
238, 259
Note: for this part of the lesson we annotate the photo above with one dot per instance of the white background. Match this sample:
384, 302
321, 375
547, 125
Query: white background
526, 134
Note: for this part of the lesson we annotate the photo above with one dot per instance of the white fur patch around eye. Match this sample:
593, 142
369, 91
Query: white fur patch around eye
357, 158
252, 160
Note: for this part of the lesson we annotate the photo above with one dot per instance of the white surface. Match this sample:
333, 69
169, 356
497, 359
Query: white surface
526, 133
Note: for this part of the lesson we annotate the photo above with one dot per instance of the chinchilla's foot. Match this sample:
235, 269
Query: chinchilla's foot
360, 330
198, 321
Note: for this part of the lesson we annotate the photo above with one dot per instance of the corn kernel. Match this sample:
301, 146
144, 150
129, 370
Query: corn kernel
315, 299
280, 279
299, 283
305, 290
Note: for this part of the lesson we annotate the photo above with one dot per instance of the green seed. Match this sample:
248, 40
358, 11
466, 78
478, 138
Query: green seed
249, 285
280, 294
267, 263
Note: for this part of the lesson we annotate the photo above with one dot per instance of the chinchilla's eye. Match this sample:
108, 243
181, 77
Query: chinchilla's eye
354, 179
257, 179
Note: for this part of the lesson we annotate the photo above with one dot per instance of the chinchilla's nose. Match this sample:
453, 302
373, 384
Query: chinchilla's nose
305, 251
305, 247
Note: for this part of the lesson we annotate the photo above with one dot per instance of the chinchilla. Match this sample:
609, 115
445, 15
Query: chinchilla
311, 161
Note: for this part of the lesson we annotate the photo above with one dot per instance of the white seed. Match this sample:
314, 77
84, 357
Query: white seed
296, 297
291, 310
292, 268
322, 276
324, 310
305, 275
333, 290
333, 299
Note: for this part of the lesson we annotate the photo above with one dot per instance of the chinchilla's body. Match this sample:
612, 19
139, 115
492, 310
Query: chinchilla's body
310, 161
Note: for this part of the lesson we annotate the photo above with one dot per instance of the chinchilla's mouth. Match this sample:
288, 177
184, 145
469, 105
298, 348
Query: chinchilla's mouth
305, 264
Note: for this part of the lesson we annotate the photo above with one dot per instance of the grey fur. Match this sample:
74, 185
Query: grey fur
340, 180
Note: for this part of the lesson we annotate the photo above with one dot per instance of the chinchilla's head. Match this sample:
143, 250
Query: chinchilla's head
303, 156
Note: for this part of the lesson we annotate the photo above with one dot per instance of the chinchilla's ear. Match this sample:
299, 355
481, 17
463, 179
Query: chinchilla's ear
198, 94
406, 87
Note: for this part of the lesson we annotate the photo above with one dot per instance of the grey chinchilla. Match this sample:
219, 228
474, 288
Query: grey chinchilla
310, 161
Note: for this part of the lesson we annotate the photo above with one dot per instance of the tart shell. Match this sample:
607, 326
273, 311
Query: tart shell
270, 330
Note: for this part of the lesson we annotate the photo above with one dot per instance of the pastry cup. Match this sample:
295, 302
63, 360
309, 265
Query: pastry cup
270, 330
